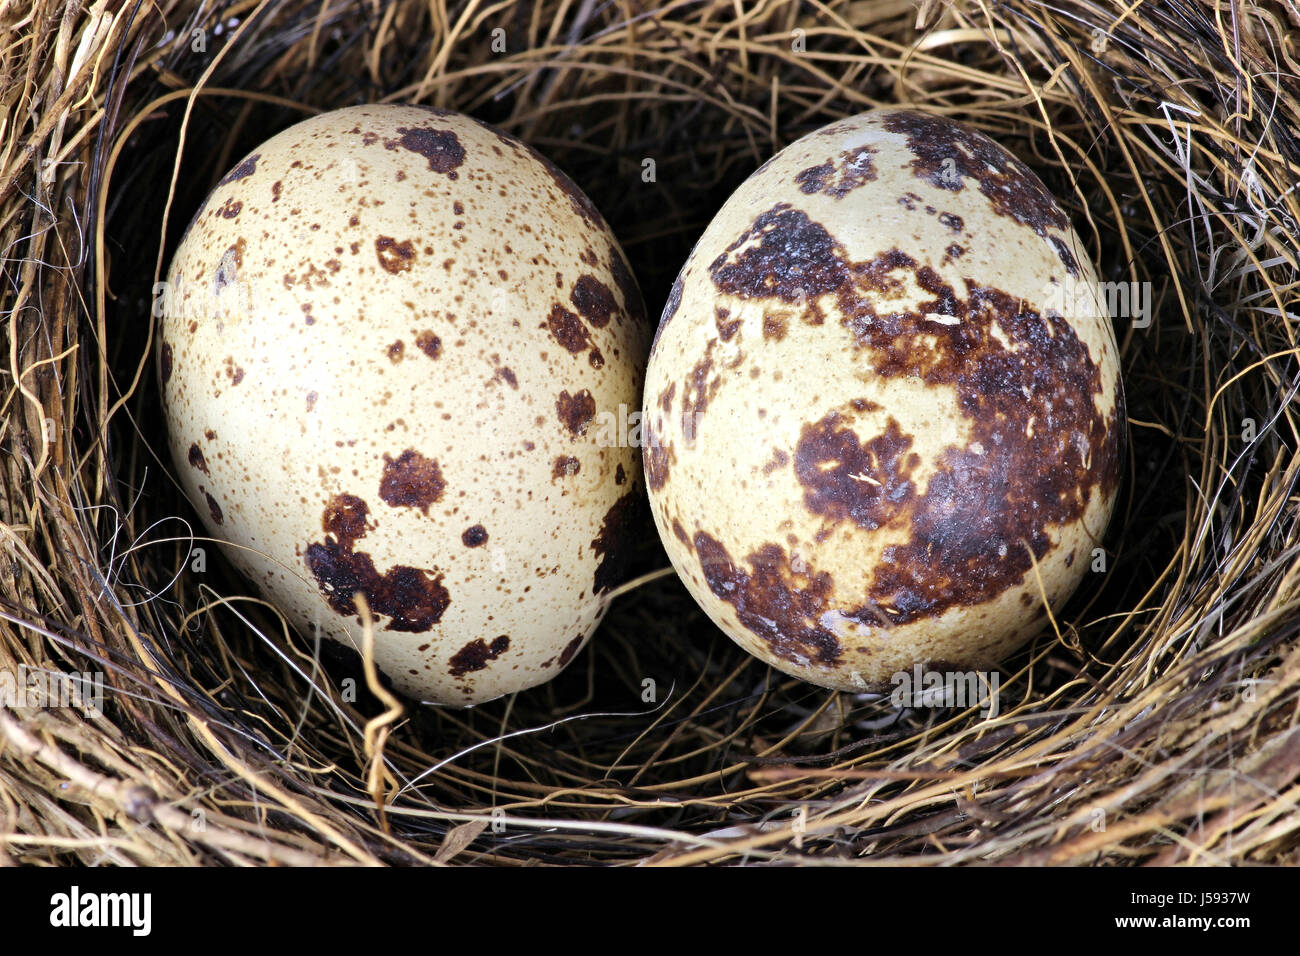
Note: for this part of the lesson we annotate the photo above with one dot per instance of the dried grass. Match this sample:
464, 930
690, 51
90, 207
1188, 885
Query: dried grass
1157, 724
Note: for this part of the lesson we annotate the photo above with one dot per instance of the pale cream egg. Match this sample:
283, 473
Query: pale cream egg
385, 339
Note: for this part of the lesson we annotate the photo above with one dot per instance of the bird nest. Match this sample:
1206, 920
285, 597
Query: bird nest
166, 712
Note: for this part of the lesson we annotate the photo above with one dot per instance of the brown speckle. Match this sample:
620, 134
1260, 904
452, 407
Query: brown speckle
570, 649
781, 606
575, 411
429, 344
441, 147
855, 169
670, 308
214, 509
394, 257
165, 363
952, 221
474, 536
475, 655
411, 481
396, 350
657, 457
565, 466
726, 325
614, 543
593, 300
242, 171
680, 533
413, 599
197, 460
567, 329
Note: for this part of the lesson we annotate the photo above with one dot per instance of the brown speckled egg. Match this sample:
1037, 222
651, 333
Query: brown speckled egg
386, 337
875, 434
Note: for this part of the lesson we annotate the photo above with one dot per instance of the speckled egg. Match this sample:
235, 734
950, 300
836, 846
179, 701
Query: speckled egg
883, 408
386, 340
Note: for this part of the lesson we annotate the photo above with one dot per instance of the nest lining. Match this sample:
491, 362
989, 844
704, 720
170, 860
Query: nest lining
1154, 722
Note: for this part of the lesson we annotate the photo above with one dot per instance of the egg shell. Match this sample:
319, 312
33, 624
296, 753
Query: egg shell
883, 414
386, 339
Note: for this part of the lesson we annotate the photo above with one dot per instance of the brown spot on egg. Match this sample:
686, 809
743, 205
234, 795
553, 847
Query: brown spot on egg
411, 481
565, 466
474, 536
475, 655
946, 154
245, 169
697, 390
570, 649
197, 460
593, 300
165, 363
214, 509
774, 327
227, 271
620, 476
429, 344
396, 350
507, 375
1065, 255
230, 209
613, 545
780, 606
868, 483
234, 372
795, 261
680, 533
394, 257
952, 221
670, 308
276, 188
210, 435
813, 179
657, 457
441, 147
567, 329
414, 599
855, 169
779, 460
575, 411
726, 325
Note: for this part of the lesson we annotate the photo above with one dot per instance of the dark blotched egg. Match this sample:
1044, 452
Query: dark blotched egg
883, 413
